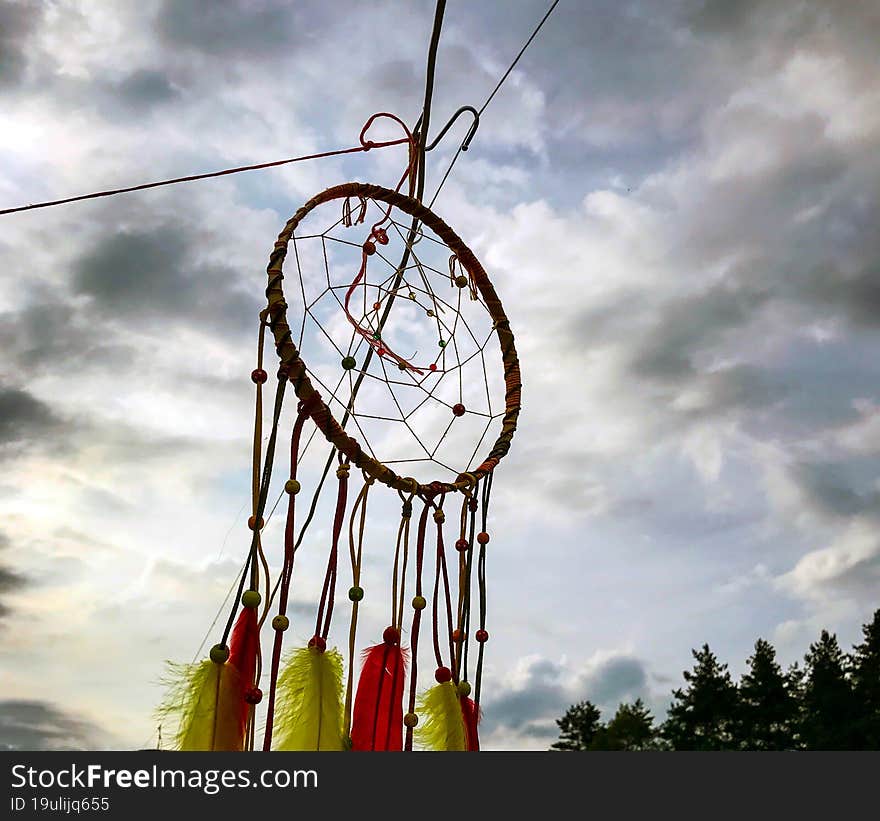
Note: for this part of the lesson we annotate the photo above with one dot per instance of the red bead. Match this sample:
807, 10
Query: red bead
319, 643
259, 376
377, 305
253, 695
458, 635
482, 636
473, 505
443, 674
461, 545
381, 236
432, 366
251, 521
391, 636
458, 409
483, 538
381, 351
369, 248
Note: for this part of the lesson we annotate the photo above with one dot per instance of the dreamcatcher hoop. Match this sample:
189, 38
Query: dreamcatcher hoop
295, 367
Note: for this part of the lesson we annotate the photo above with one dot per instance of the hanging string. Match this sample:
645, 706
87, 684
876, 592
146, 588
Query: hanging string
401, 556
325, 608
418, 603
280, 623
482, 540
356, 593
441, 574
464, 545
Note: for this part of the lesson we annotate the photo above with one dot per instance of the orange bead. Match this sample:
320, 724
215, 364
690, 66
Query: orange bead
251, 521
483, 538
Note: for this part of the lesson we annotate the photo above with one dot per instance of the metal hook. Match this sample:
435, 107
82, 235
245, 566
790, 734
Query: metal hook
468, 137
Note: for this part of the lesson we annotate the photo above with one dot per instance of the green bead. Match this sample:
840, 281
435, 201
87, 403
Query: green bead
356, 593
377, 335
292, 487
464, 688
219, 653
442, 343
280, 623
348, 362
251, 598
419, 603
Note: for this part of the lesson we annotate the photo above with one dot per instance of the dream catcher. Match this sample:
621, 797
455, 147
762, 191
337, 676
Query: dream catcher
400, 356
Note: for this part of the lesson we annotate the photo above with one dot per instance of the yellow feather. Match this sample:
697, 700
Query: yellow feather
441, 724
205, 700
308, 712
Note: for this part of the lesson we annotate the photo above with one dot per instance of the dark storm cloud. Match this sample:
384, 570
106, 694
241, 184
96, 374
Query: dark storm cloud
152, 275
18, 20
40, 725
22, 417
690, 324
842, 489
542, 696
10, 581
251, 28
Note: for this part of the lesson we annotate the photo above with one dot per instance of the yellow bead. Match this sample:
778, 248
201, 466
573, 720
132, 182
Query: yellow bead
464, 688
410, 719
292, 487
251, 598
280, 623
439, 516
419, 603
461, 280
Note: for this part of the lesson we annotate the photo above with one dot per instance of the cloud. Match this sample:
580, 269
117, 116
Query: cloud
18, 20
11, 581
39, 725
538, 691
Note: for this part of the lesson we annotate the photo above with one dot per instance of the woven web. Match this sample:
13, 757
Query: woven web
401, 416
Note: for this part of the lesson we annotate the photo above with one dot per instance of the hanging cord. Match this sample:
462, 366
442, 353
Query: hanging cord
419, 604
325, 608
280, 623
464, 546
482, 540
401, 556
261, 500
441, 574
356, 593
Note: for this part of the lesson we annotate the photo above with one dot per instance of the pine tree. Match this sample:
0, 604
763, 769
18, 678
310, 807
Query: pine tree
866, 686
578, 727
632, 728
702, 717
827, 704
768, 706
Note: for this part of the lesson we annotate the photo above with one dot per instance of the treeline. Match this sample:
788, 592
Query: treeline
831, 703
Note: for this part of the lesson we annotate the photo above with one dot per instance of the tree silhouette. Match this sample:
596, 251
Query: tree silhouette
632, 728
702, 717
578, 727
768, 703
827, 701
866, 686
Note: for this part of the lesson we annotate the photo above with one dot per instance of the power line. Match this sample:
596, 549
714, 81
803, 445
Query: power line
495, 91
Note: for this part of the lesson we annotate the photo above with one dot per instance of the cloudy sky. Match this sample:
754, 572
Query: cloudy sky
678, 203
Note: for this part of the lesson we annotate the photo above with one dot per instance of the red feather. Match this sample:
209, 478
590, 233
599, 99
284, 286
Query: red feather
243, 648
377, 720
471, 714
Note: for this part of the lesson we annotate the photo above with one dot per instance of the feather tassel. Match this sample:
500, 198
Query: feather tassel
471, 715
377, 722
209, 699
308, 713
442, 725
